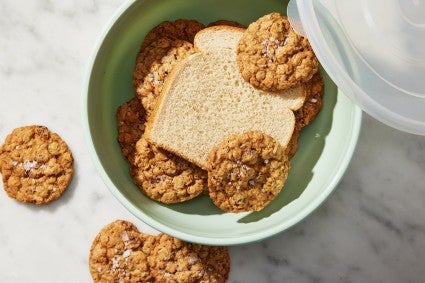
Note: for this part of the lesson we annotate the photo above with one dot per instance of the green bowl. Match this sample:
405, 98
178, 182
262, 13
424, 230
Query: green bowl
325, 146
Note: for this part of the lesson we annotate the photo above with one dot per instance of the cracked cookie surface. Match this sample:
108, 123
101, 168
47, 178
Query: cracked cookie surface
36, 165
246, 172
119, 253
165, 177
173, 260
273, 57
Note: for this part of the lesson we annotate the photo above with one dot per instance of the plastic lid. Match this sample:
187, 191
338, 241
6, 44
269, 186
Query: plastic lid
374, 50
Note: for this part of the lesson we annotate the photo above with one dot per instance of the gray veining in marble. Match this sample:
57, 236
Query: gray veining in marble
371, 229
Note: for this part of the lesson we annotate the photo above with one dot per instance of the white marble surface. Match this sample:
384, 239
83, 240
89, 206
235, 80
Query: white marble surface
372, 229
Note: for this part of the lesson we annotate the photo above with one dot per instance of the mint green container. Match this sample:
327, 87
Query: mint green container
325, 147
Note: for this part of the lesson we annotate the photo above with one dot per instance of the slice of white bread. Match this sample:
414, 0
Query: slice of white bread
205, 99
217, 38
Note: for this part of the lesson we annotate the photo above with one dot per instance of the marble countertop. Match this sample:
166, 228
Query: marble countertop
371, 229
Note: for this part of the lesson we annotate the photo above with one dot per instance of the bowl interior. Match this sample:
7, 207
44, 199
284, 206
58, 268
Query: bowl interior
325, 146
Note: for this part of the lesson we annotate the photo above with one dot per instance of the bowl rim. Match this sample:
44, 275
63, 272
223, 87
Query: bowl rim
254, 237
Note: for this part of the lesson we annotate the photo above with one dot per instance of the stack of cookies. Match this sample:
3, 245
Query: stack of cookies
218, 110
120, 253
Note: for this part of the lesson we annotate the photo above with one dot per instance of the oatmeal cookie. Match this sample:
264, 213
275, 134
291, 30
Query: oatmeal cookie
246, 172
119, 253
292, 146
36, 164
273, 57
173, 260
226, 23
308, 112
164, 176
131, 126
153, 66
182, 29
313, 103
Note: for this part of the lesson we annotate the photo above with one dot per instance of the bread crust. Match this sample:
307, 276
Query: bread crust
214, 29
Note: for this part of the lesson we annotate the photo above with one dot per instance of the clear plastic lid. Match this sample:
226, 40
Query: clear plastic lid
374, 50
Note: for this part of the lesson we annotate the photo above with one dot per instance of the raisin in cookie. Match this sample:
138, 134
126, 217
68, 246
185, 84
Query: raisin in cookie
36, 164
273, 57
153, 66
165, 177
131, 126
119, 253
173, 260
246, 171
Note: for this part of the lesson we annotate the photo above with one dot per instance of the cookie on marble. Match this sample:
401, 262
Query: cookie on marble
173, 260
246, 171
154, 64
273, 57
165, 177
36, 165
226, 23
119, 253
131, 119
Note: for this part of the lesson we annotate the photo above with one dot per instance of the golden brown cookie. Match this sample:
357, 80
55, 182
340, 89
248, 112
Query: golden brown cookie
131, 120
165, 177
119, 253
36, 165
182, 29
273, 57
246, 172
308, 112
313, 103
173, 260
154, 64
292, 146
226, 23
